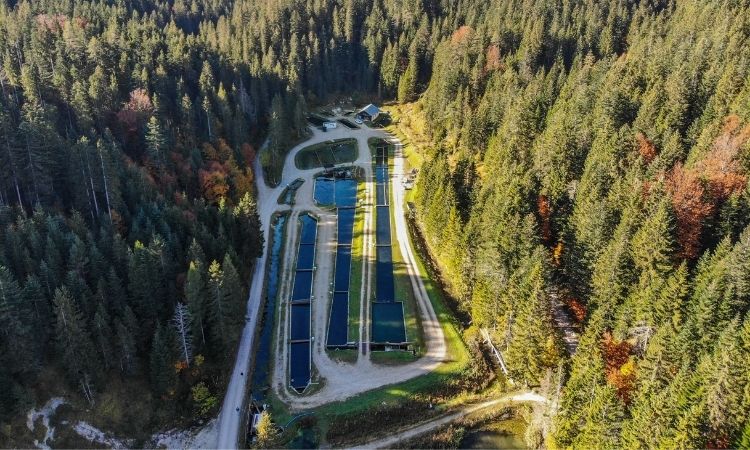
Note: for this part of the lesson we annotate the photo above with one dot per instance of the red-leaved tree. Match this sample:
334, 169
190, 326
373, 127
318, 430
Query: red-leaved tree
696, 192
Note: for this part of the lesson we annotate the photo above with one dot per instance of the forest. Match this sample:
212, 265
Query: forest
586, 156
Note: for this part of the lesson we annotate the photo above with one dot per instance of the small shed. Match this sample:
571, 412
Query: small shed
369, 113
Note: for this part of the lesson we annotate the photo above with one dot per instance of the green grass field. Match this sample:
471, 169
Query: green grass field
355, 279
344, 355
327, 153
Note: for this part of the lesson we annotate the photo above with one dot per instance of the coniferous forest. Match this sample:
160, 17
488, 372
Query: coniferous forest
587, 158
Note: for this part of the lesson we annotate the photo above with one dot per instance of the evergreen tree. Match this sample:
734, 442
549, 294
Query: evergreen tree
156, 144
162, 369
126, 345
196, 298
16, 339
74, 344
219, 307
102, 333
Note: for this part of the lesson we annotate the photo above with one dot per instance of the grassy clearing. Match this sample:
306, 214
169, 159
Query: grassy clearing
355, 278
403, 283
346, 355
327, 153
392, 358
272, 161
409, 126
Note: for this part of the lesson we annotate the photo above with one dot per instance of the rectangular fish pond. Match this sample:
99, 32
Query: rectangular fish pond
261, 363
300, 358
388, 327
340, 191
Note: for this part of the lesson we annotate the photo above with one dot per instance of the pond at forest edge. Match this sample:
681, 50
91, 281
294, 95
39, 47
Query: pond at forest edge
504, 435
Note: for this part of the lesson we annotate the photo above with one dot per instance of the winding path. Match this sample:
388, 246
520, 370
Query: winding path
341, 380
425, 427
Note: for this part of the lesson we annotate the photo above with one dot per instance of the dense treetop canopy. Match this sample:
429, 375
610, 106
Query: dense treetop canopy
587, 158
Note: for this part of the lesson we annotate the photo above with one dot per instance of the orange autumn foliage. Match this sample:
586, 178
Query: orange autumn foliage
619, 368
577, 308
136, 110
646, 148
223, 175
248, 154
615, 353
696, 191
214, 182
51, 22
544, 210
462, 35
623, 380
179, 366
242, 180
493, 58
721, 166
691, 208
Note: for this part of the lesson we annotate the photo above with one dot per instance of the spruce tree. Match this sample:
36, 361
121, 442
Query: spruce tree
196, 297
74, 344
156, 144
162, 359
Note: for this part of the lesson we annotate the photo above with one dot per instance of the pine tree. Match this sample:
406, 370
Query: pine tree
162, 371
126, 345
266, 431
603, 420
102, 331
156, 144
196, 298
407, 84
723, 399
17, 339
36, 301
74, 344
219, 307
744, 441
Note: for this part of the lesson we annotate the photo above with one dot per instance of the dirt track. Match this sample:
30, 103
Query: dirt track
418, 430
